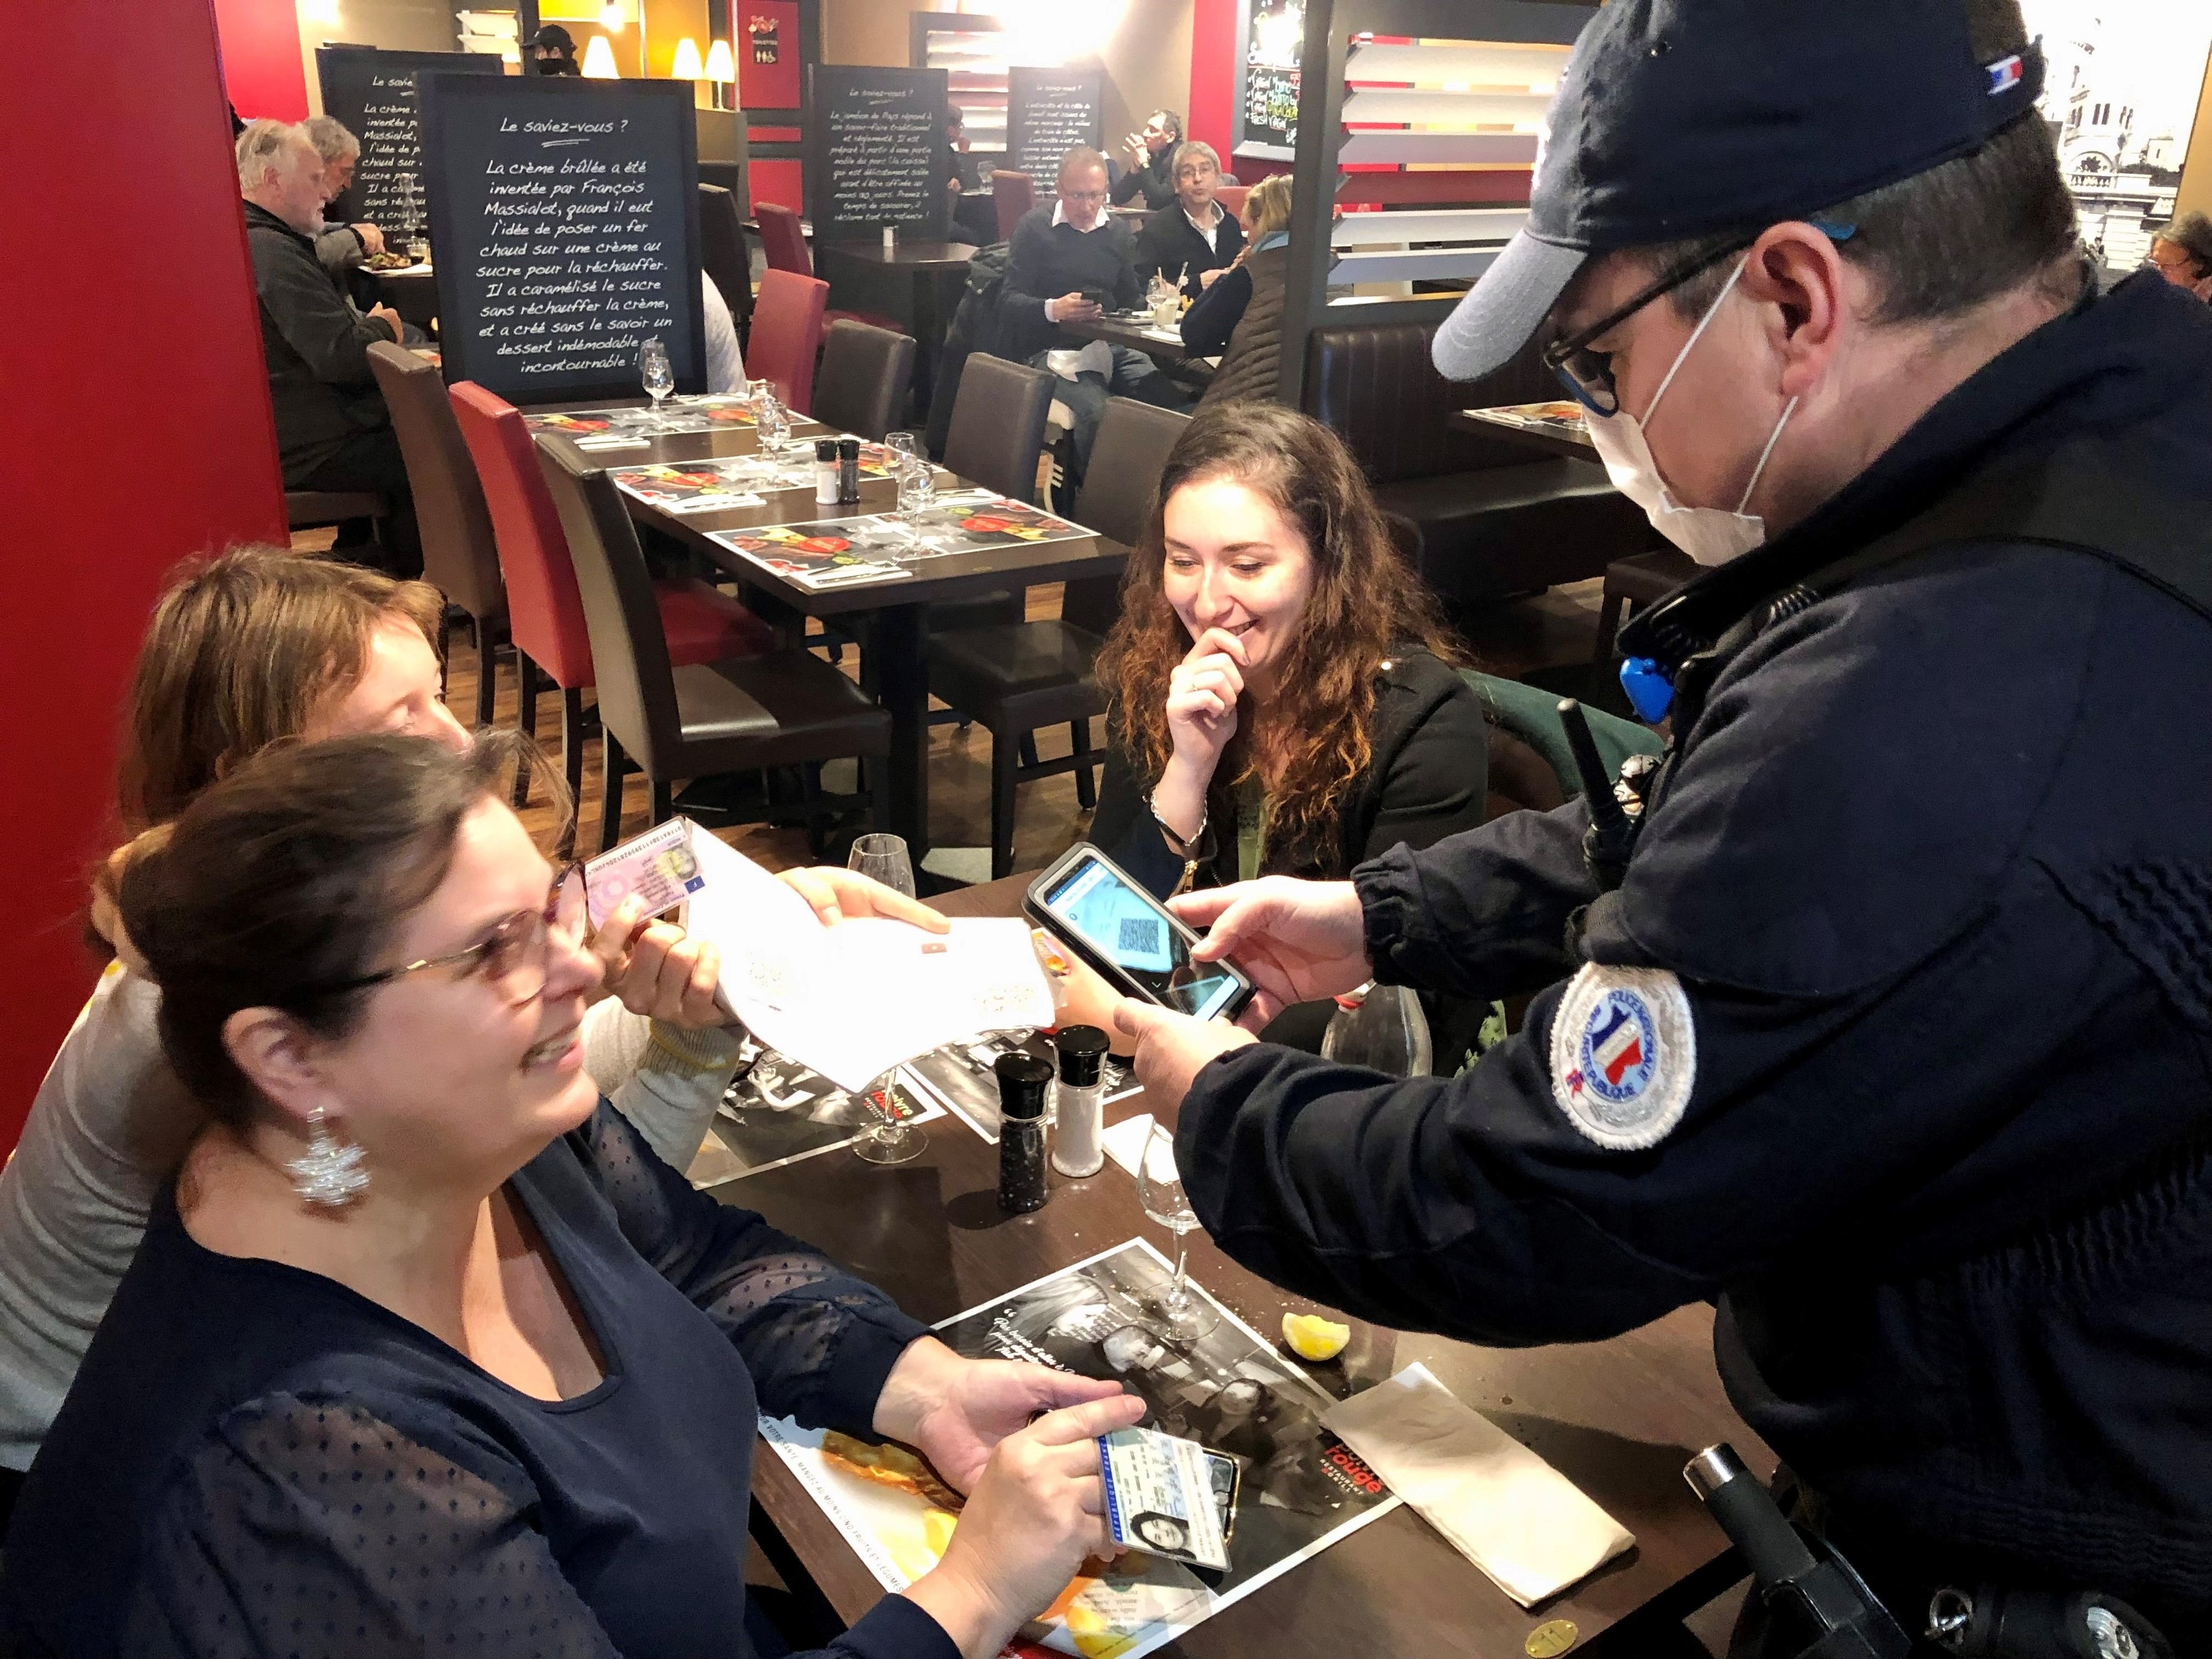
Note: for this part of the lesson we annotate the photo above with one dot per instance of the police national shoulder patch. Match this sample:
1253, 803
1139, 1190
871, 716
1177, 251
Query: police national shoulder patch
1624, 1055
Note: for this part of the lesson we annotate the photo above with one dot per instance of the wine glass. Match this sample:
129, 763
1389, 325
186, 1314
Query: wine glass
659, 378
770, 422
887, 1141
1159, 1189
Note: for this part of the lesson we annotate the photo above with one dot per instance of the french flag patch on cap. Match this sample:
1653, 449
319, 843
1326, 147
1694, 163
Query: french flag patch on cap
2004, 75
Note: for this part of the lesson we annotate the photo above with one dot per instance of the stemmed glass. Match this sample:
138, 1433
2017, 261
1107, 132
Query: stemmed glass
887, 1141
772, 425
659, 378
917, 489
1159, 1189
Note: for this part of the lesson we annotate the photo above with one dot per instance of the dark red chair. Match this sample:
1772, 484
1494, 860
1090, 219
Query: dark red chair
788, 323
1014, 194
784, 242
1231, 197
545, 611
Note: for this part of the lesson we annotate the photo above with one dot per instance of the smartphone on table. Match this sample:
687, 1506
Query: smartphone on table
1129, 938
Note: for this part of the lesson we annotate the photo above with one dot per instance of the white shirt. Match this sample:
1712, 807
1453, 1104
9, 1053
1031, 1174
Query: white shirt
1208, 231
726, 365
1060, 217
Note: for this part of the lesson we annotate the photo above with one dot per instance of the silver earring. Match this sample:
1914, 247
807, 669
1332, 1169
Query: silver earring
327, 1174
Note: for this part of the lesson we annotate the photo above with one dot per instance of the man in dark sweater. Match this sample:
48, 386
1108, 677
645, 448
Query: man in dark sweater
1068, 263
1150, 169
1192, 236
333, 432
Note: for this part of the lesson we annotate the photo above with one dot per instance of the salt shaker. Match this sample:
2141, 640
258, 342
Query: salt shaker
1078, 1143
1023, 1080
825, 473
848, 469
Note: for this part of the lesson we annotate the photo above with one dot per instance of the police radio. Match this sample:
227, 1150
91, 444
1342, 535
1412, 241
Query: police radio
1612, 835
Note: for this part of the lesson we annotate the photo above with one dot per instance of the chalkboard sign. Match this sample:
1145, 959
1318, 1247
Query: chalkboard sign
565, 214
1048, 112
1269, 37
874, 140
376, 95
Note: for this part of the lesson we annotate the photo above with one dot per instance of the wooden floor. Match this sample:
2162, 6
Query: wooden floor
1553, 628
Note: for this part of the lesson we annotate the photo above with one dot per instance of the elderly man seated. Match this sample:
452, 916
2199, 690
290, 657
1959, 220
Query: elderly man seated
333, 432
1191, 241
2183, 253
340, 247
1066, 263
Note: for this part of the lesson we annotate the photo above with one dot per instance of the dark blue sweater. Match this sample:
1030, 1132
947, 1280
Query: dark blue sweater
254, 1458
1046, 261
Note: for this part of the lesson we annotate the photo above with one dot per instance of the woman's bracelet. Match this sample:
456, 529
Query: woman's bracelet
1181, 846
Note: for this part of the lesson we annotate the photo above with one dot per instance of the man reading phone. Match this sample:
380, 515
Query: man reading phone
1069, 263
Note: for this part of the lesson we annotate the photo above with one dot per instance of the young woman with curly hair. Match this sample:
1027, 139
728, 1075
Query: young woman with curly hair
1281, 695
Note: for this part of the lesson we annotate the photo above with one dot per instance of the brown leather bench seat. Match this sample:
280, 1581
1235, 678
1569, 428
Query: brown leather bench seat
1495, 517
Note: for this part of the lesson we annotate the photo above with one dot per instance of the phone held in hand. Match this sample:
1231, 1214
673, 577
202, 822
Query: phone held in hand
1129, 938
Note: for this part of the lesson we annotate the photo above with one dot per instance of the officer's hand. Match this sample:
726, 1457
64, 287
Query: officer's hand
1299, 940
1171, 1048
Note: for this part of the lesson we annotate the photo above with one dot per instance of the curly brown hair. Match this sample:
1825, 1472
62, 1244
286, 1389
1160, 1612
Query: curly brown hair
1367, 605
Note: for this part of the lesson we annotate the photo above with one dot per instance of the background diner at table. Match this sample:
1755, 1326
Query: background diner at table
1004, 484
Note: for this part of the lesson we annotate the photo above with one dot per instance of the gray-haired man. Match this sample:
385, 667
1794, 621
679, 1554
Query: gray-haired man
340, 247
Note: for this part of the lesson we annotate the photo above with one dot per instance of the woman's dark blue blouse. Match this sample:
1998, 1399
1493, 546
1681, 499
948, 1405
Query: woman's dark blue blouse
256, 1460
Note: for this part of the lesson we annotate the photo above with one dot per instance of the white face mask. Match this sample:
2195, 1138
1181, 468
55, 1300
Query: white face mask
1707, 534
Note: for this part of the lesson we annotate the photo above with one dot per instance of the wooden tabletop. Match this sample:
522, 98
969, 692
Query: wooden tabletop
915, 256
1494, 424
949, 576
1116, 331
1619, 1419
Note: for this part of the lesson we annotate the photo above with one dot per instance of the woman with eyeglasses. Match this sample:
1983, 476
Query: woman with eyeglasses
258, 646
425, 1350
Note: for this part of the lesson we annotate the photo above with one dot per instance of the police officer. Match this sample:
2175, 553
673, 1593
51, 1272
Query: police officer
553, 51
1895, 1038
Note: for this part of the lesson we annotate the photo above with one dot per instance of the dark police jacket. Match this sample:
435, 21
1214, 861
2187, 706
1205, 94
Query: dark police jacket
317, 348
1896, 1039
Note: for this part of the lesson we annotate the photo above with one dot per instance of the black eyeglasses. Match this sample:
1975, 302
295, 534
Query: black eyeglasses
1589, 374
512, 956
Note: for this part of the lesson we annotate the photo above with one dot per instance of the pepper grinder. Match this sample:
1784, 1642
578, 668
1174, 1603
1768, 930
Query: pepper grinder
1078, 1144
848, 469
1023, 1080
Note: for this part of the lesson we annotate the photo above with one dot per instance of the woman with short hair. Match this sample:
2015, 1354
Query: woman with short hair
442, 1354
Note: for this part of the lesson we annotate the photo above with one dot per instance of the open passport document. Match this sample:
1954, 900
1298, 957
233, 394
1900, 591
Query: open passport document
849, 1001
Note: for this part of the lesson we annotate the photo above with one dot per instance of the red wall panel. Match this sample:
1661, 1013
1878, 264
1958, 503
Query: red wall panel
142, 433
261, 62
1214, 75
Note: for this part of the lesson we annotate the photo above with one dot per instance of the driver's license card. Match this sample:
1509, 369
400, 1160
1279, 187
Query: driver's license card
659, 867
1159, 1496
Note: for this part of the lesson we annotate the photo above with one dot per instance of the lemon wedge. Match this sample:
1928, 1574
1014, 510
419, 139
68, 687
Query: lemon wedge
1311, 1337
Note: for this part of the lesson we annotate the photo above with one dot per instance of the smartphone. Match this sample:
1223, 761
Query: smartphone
1129, 938
1221, 1471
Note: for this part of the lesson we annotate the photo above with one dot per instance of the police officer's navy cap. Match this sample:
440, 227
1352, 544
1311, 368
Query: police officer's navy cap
1680, 118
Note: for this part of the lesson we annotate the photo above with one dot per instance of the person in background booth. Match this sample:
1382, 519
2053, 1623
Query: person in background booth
1240, 317
1191, 240
333, 432
553, 51
257, 647
442, 1354
974, 218
1150, 171
340, 247
2182, 252
1281, 696
1068, 263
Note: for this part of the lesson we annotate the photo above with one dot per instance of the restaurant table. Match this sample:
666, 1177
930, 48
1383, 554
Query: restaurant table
1619, 1418
896, 607
412, 291
1494, 424
1120, 331
918, 283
